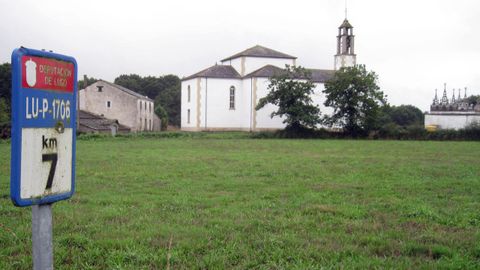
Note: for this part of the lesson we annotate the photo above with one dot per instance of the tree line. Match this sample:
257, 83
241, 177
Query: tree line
360, 108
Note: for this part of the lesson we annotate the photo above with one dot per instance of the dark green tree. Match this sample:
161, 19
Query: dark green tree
132, 82
162, 114
6, 82
290, 91
170, 98
356, 100
4, 111
474, 100
5, 92
405, 115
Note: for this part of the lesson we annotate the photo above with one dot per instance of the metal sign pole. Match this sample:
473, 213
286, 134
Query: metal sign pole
42, 243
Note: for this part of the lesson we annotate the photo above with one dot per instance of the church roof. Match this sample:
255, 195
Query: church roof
317, 75
321, 75
217, 71
260, 51
345, 24
266, 71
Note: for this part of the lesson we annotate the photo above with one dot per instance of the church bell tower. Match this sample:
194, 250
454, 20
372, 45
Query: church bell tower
345, 56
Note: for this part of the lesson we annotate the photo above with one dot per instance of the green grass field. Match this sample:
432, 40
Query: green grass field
238, 203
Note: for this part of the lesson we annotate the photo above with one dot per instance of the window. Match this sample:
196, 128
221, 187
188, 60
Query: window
188, 95
141, 123
109, 104
188, 116
151, 127
99, 88
145, 127
145, 105
232, 97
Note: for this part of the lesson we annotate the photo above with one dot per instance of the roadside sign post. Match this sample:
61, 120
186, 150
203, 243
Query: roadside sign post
42, 238
44, 109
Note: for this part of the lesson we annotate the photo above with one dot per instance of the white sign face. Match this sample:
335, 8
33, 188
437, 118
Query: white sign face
46, 162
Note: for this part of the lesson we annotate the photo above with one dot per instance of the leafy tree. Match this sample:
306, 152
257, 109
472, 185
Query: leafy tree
132, 82
171, 98
474, 100
5, 92
90, 81
162, 114
6, 82
4, 111
356, 100
405, 115
290, 91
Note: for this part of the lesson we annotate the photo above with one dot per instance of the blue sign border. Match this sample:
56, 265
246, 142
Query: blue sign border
17, 125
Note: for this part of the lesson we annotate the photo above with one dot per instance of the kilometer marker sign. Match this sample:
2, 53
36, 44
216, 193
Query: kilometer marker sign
43, 126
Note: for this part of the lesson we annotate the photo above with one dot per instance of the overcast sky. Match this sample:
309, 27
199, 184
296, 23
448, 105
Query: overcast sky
414, 46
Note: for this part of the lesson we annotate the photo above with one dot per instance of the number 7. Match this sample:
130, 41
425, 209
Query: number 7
53, 158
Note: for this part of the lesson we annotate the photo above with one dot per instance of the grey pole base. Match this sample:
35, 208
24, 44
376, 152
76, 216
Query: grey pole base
42, 237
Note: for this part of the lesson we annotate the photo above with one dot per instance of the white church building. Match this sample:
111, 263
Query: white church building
223, 97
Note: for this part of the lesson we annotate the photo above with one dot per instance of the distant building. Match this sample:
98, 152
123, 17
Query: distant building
454, 113
113, 101
224, 96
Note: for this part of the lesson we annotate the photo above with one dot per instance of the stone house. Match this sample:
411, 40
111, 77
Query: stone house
112, 101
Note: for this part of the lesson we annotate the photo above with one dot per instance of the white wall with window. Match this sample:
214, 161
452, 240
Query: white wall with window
189, 101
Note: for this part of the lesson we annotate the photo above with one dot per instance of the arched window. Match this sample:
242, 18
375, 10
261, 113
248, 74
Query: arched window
232, 97
188, 93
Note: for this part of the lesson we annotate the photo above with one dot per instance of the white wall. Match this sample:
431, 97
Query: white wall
236, 64
344, 61
216, 105
263, 119
451, 120
189, 105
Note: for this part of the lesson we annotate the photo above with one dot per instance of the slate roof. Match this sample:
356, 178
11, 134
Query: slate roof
260, 51
126, 90
217, 71
317, 75
266, 71
98, 122
345, 24
321, 75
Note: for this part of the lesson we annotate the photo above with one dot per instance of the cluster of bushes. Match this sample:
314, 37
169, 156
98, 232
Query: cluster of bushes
387, 132
417, 132
166, 134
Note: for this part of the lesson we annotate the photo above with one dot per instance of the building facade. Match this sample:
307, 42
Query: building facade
454, 113
113, 101
224, 96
